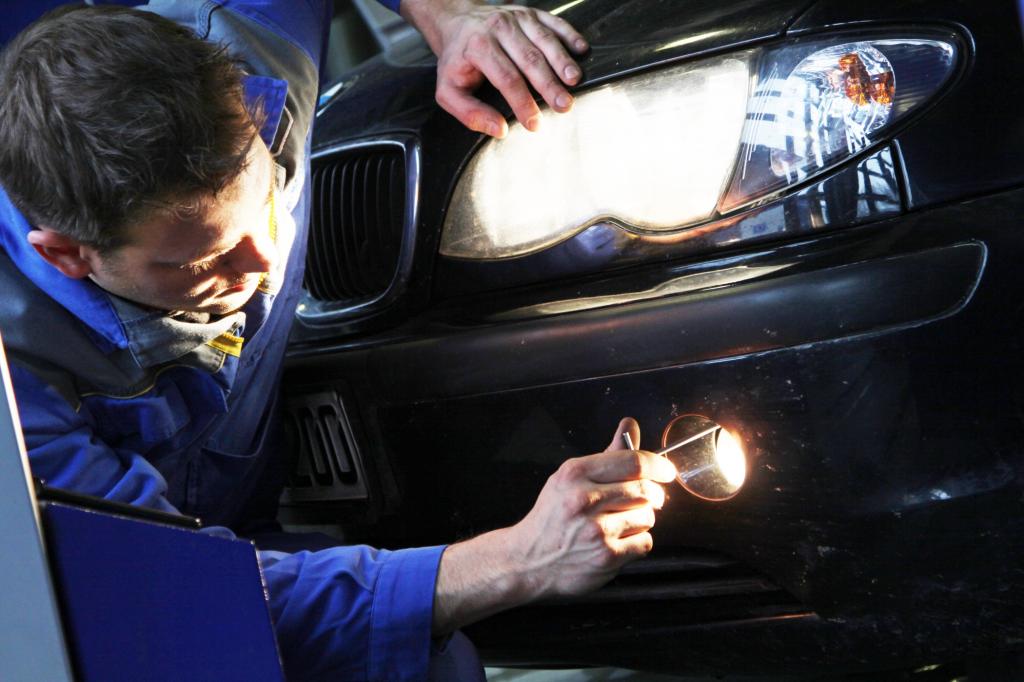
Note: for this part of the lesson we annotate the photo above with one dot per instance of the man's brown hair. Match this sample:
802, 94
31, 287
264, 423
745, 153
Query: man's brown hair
107, 113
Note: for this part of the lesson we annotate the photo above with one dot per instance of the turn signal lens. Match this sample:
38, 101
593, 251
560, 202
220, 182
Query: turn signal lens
815, 107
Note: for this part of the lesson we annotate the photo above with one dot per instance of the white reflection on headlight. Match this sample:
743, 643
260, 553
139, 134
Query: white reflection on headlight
653, 152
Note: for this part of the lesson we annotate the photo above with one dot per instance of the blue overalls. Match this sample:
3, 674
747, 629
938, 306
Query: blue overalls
173, 411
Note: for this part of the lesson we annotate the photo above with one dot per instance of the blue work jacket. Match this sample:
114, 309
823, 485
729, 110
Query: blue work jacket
175, 411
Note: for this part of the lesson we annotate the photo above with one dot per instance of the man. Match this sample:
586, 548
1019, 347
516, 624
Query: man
152, 228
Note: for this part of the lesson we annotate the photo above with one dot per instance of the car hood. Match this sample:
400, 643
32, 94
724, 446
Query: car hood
395, 90
636, 33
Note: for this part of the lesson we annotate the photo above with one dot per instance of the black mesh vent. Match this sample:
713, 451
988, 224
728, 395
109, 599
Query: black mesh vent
356, 223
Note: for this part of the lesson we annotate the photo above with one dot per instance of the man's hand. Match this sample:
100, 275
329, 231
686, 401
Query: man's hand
512, 47
591, 517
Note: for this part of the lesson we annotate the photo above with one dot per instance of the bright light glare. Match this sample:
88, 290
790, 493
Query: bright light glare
802, 122
730, 459
653, 152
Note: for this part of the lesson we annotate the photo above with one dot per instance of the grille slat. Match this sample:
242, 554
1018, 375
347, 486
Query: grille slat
357, 223
333, 276
374, 204
355, 255
397, 176
370, 237
342, 249
315, 278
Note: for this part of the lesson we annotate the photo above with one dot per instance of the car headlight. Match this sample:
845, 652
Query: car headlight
672, 148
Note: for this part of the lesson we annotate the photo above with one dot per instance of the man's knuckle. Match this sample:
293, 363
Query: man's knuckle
505, 77
498, 22
478, 43
642, 489
636, 464
443, 96
541, 33
607, 557
533, 57
570, 470
575, 501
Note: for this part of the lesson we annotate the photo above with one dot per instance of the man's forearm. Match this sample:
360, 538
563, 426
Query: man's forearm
478, 578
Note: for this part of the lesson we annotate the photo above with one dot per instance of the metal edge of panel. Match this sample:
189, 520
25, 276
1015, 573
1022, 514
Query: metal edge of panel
33, 644
313, 313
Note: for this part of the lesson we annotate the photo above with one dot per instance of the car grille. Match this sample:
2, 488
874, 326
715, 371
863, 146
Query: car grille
356, 223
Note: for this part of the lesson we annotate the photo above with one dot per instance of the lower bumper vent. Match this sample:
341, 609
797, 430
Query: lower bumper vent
667, 591
328, 466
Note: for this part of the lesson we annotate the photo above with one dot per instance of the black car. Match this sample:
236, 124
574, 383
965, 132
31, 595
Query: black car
798, 220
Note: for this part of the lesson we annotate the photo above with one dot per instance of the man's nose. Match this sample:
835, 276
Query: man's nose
253, 254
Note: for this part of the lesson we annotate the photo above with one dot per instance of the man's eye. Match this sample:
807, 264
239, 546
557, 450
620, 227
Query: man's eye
199, 267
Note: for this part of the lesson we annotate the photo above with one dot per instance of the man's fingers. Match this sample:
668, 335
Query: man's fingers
634, 546
626, 425
616, 466
626, 523
532, 61
564, 30
506, 77
470, 111
612, 497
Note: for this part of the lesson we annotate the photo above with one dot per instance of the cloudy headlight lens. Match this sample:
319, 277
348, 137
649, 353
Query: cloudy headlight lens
680, 146
652, 152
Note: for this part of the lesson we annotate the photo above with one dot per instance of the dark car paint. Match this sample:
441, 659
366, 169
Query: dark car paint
874, 377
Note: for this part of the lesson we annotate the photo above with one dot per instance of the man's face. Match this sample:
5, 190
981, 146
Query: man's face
211, 262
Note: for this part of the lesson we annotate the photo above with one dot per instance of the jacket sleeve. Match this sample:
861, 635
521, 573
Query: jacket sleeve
346, 613
353, 613
64, 451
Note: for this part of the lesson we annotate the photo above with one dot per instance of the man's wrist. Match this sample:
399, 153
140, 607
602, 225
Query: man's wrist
480, 577
430, 16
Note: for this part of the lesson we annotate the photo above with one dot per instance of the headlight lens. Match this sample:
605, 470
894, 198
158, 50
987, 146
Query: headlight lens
653, 152
672, 148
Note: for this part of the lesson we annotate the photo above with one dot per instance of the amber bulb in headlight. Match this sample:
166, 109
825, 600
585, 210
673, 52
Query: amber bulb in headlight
813, 107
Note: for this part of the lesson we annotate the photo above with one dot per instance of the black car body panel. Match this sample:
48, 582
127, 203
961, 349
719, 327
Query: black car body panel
866, 350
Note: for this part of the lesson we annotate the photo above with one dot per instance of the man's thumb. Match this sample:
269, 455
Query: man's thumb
627, 425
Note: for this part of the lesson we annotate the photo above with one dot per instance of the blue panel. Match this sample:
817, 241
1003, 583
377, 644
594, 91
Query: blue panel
143, 601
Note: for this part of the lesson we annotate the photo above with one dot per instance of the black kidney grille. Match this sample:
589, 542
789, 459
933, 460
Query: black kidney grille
356, 223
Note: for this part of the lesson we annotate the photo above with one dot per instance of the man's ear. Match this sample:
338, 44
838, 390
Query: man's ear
67, 254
